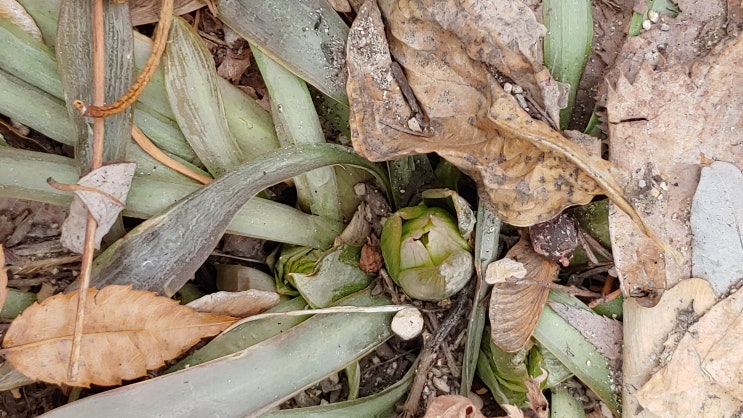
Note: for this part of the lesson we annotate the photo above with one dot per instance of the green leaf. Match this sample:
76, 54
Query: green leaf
487, 238
246, 335
567, 45
75, 62
335, 276
297, 122
165, 251
254, 380
191, 85
306, 36
258, 218
379, 405
578, 355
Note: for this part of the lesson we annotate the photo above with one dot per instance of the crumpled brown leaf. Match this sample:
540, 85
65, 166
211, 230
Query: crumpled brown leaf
452, 406
703, 376
114, 180
126, 333
665, 118
237, 304
515, 304
528, 172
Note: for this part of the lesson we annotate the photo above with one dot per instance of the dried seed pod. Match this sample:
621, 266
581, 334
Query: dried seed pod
555, 239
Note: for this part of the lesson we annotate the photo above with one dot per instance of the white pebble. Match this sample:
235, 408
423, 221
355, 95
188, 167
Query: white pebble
653, 16
646, 24
408, 323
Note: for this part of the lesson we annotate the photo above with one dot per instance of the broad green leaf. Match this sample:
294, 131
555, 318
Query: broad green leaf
23, 175
75, 64
307, 37
165, 251
335, 276
297, 122
567, 45
191, 85
578, 355
246, 335
254, 380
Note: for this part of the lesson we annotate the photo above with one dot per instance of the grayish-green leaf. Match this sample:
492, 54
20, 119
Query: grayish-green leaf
564, 405
379, 405
579, 356
38, 110
11, 378
335, 276
75, 65
487, 238
307, 37
23, 175
191, 84
252, 381
246, 335
296, 122
165, 251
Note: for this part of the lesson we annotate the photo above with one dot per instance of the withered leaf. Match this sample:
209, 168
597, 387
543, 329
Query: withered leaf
527, 172
515, 305
663, 123
452, 406
704, 373
114, 180
126, 333
237, 304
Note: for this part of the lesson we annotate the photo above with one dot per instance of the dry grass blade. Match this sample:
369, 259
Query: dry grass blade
515, 305
126, 333
153, 151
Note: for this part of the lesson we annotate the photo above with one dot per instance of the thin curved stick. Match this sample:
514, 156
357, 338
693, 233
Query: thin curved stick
159, 40
141, 139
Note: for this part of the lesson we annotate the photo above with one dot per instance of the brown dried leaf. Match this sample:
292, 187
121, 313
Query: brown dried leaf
126, 333
665, 121
114, 180
452, 406
148, 11
537, 401
515, 305
703, 376
3, 278
237, 304
528, 172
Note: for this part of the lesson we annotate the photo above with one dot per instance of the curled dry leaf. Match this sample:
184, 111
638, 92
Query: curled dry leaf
237, 304
452, 406
444, 99
537, 401
515, 306
702, 378
126, 333
114, 181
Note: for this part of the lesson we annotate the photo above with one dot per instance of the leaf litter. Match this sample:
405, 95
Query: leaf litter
127, 332
406, 121
527, 171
